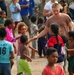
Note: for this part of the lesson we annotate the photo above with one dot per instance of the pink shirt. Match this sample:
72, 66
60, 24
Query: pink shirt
9, 36
48, 71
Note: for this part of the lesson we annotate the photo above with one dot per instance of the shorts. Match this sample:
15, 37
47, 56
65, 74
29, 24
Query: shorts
26, 21
71, 64
5, 69
23, 67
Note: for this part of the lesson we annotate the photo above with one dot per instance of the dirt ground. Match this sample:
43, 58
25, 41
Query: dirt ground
36, 65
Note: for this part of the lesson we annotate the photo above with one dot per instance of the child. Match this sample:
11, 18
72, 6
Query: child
15, 12
3, 16
6, 53
52, 68
57, 42
22, 28
9, 24
71, 53
34, 31
23, 66
42, 40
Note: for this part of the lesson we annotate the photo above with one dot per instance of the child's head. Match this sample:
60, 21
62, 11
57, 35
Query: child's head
33, 19
40, 20
3, 14
71, 35
22, 27
54, 28
52, 55
2, 32
63, 2
9, 23
24, 39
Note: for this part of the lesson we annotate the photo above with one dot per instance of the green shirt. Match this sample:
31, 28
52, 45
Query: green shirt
2, 21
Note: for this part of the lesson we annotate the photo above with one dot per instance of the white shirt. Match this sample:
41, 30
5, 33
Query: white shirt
48, 6
72, 6
34, 27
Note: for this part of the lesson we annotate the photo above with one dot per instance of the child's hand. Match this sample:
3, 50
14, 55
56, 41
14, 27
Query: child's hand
17, 37
36, 50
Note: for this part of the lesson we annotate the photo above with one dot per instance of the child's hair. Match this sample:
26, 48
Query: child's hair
2, 32
8, 22
33, 19
40, 20
55, 29
23, 39
20, 25
71, 34
2, 12
65, 39
50, 50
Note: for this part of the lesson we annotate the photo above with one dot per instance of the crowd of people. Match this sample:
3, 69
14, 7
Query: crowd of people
51, 31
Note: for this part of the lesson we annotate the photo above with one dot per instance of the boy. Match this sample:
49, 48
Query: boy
71, 53
23, 66
6, 53
34, 30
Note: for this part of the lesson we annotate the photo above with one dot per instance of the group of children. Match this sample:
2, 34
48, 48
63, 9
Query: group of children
54, 53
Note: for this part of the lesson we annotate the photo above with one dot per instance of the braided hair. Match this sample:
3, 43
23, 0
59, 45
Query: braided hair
55, 29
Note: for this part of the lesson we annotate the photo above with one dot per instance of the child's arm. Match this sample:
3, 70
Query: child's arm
33, 49
40, 28
12, 55
70, 52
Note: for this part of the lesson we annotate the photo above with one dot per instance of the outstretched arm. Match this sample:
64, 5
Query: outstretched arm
33, 49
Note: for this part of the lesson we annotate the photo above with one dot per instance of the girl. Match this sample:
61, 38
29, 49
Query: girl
22, 28
52, 68
9, 24
57, 42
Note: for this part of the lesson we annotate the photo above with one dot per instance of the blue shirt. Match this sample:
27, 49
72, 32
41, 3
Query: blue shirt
24, 11
5, 49
32, 4
17, 16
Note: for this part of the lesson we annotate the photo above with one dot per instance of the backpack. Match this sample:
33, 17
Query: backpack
59, 49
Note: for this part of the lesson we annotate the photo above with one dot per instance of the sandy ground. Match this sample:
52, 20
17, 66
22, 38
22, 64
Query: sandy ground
36, 65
